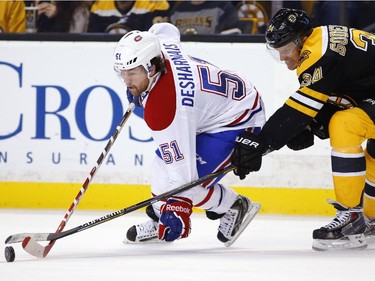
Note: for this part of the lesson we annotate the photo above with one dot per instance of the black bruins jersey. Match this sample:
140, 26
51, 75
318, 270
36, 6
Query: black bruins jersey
336, 61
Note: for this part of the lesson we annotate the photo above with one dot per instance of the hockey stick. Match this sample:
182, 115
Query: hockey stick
44, 250
34, 248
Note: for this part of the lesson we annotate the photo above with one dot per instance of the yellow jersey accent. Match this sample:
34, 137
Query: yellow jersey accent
12, 16
302, 108
314, 94
105, 8
313, 49
150, 6
108, 8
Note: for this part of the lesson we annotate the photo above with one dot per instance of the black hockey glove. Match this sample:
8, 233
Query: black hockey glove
301, 141
247, 154
319, 125
319, 130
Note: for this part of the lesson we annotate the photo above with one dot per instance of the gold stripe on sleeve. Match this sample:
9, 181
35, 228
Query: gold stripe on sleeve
301, 108
313, 94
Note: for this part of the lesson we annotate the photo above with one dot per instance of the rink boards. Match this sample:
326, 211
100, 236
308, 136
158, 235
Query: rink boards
290, 201
60, 102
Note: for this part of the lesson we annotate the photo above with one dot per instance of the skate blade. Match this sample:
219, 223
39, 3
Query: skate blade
255, 207
370, 238
351, 242
147, 241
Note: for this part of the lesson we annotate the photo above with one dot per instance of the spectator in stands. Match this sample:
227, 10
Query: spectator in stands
366, 20
329, 12
253, 15
12, 16
357, 14
63, 16
123, 16
104, 13
206, 17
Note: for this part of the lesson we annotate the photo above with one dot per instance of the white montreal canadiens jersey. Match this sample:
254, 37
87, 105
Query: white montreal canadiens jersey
194, 97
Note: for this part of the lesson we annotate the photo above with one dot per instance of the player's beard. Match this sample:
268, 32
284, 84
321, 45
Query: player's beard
136, 90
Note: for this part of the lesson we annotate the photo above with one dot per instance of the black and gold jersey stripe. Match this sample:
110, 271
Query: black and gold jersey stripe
307, 101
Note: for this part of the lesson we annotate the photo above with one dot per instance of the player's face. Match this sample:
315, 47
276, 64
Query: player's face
289, 54
135, 79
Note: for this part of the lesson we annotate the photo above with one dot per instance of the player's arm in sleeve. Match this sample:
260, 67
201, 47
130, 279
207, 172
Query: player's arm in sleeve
293, 123
287, 123
282, 126
317, 127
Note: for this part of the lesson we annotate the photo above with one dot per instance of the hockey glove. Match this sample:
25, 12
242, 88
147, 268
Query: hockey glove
132, 98
247, 154
301, 141
174, 222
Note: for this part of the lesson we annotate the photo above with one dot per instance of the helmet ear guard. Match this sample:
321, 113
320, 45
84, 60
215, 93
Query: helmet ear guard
136, 48
288, 25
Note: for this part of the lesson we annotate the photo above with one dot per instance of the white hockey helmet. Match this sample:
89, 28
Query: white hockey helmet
136, 48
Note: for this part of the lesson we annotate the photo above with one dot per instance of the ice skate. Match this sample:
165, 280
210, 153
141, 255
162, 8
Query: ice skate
370, 230
145, 232
346, 231
238, 217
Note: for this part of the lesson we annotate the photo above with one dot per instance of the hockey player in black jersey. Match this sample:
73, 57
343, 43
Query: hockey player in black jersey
334, 64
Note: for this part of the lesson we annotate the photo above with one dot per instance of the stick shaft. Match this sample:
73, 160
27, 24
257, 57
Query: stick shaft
145, 203
15, 238
119, 213
91, 175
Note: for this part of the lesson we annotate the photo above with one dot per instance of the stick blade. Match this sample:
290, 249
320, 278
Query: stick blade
35, 249
20, 237
16, 238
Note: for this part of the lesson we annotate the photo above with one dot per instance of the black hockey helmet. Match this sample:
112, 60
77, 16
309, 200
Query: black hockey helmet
288, 25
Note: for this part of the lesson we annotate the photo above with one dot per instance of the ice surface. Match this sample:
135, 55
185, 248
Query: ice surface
272, 248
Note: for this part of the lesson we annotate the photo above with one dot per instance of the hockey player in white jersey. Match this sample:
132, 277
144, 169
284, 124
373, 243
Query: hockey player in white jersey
195, 111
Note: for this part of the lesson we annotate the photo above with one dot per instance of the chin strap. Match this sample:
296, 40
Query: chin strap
151, 81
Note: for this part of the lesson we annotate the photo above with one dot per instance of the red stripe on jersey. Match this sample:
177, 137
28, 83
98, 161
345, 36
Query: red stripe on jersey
256, 100
160, 108
239, 118
221, 167
205, 200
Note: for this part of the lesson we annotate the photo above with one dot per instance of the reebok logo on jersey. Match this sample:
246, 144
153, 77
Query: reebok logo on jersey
247, 142
171, 208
